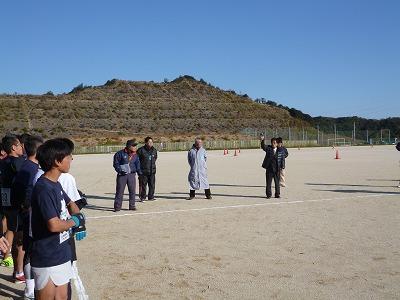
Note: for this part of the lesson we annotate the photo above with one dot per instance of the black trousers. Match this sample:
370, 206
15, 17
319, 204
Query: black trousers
206, 191
269, 175
149, 180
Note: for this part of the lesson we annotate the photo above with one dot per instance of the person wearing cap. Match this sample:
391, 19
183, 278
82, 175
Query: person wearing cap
126, 164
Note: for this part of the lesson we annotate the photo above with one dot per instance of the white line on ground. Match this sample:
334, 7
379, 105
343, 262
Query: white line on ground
236, 206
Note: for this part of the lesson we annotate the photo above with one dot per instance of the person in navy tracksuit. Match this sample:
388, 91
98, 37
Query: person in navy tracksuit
126, 164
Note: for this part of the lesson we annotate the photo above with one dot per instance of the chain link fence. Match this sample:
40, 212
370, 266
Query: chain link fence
184, 146
293, 137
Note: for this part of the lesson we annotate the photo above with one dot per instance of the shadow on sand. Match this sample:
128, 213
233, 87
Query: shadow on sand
360, 191
351, 185
8, 292
237, 185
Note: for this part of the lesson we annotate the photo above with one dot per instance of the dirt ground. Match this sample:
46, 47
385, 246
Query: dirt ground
332, 235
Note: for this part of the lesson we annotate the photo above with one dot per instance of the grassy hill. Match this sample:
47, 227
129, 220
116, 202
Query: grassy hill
176, 110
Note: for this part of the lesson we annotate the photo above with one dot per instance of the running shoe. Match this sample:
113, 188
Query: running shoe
8, 262
20, 278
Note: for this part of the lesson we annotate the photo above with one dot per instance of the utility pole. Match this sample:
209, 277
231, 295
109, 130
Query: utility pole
381, 136
367, 137
303, 133
354, 132
290, 135
389, 136
334, 127
318, 134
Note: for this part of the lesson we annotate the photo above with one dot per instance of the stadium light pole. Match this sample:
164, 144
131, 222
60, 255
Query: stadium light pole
334, 127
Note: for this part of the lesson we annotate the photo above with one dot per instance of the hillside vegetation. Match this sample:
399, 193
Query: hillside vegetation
182, 108
327, 124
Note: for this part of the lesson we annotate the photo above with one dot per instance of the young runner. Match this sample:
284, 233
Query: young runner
10, 208
51, 250
22, 191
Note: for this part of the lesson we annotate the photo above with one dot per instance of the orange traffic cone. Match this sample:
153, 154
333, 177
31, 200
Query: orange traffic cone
236, 153
337, 154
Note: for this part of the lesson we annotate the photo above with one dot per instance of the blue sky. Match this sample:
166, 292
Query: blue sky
324, 57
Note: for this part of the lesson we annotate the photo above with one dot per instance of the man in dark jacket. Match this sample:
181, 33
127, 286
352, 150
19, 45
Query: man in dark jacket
126, 164
273, 163
147, 156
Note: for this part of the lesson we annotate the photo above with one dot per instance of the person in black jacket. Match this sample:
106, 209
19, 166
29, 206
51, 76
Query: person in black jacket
273, 163
126, 164
148, 157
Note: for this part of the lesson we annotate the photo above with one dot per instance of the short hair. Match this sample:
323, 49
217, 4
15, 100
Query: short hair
31, 144
197, 139
279, 140
8, 142
273, 140
147, 139
53, 150
68, 142
23, 137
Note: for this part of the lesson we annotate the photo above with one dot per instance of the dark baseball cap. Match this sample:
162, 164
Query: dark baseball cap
131, 143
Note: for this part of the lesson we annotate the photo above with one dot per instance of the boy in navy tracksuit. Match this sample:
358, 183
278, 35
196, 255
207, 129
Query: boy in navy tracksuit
53, 218
126, 164
22, 191
10, 208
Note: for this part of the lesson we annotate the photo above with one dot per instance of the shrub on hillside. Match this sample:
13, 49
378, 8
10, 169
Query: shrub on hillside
79, 88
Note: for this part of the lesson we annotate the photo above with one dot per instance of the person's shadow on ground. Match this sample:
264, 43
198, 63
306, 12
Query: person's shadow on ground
9, 292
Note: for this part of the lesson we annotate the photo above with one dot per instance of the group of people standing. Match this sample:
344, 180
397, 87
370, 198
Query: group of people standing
40, 203
40, 214
131, 161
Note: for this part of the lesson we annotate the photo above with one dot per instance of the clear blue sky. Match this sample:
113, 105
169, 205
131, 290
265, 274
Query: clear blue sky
324, 57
